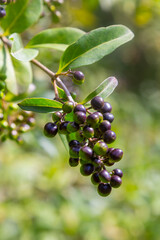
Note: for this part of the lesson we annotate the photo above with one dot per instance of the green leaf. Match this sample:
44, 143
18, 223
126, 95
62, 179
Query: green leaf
61, 93
56, 38
19, 52
19, 74
64, 141
21, 15
103, 90
93, 46
41, 105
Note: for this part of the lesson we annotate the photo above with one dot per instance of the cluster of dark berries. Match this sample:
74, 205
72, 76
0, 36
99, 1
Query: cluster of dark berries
89, 135
14, 122
52, 6
2, 12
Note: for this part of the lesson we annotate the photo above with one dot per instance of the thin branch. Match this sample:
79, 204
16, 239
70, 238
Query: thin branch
65, 89
44, 68
55, 89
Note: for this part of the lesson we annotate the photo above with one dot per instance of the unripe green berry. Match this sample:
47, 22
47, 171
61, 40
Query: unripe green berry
2, 85
4, 124
100, 148
56, 116
88, 132
68, 107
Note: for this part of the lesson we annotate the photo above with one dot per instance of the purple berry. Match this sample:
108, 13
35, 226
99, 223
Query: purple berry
80, 117
104, 189
86, 153
79, 108
104, 126
106, 107
87, 169
97, 102
116, 181
116, 154
105, 176
108, 116
118, 172
50, 129
95, 178
109, 136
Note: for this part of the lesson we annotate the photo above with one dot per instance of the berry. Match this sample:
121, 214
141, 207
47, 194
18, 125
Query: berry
78, 77
97, 103
104, 126
86, 153
24, 128
68, 107
88, 132
56, 116
100, 116
116, 181
4, 124
118, 172
116, 154
73, 162
74, 151
106, 108
109, 136
50, 129
110, 150
63, 127
96, 162
87, 169
31, 121
1, 116
104, 176
79, 108
13, 135
93, 119
20, 118
95, 178
72, 127
100, 148
74, 143
80, 117
108, 116
2, 12
104, 189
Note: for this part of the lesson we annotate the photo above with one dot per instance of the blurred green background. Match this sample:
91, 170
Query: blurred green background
41, 197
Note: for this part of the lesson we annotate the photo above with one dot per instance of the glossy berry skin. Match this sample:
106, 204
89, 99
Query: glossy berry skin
105, 176
96, 162
56, 116
86, 153
2, 12
106, 108
78, 77
116, 154
109, 136
87, 169
104, 189
88, 132
73, 162
74, 151
79, 108
95, 178
93, 120
118, 172
100, 148
79, 117
97, 103
100, 117
72, 127
104, 126
50, 129
74, 143
63, 127
68, 107
116, 181
108, 116
110, 150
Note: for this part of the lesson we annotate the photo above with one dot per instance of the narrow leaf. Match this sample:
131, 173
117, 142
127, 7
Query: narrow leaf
41, 105
56, 38
19, 52
93, 46
103, 90
21, 15
61, 93
64, 141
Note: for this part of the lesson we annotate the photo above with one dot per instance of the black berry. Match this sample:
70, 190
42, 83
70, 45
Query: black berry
109, 136
108, 116
80, 108
93, 120
97, 102
105, 176
78, 77
104, 126
80, 117
95, 178
74, 151
63, 127
73, 162
88, 132
74, 143
2, 12
116, 154
118, 172
87, 169
104, 189
50, 129
116, 181
86, 153
106, 107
